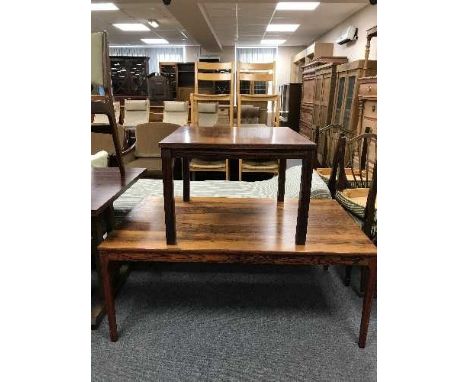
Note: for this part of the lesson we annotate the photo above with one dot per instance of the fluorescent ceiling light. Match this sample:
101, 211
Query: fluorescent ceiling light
153, 23
282, 27
297, 6
104, 7
272, 42
131, 27
155, 41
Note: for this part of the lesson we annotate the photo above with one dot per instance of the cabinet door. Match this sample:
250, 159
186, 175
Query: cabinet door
308, 90
349, 101
325, 101
339, 101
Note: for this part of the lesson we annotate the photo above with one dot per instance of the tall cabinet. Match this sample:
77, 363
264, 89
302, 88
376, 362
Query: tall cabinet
318, 88
345, 103
367, 94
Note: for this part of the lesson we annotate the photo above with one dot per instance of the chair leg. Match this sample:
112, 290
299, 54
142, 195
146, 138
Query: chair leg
240, 169
347, 279
227, 169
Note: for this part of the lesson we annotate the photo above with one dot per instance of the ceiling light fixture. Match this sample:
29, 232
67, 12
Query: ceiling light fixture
104, 7
155, 41
282, 27
153, 23
131, 27
272, 42
297, 6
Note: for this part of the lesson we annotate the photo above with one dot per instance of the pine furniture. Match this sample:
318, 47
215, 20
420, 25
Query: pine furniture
345, 104
318, 89
264, 74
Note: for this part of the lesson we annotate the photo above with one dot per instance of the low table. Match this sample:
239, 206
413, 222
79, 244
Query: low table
238, 142
254, 231
106, 185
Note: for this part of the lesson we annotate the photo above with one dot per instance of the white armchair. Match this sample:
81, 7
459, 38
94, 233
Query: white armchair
176, 112
136, 112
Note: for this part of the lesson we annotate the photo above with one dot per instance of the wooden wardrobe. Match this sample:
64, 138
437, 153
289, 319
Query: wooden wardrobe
367, 94
318, 89
345, 104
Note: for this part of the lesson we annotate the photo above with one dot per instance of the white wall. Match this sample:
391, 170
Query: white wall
364, 19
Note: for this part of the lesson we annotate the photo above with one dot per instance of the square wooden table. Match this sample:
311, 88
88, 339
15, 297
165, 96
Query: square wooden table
243, 142
106, 185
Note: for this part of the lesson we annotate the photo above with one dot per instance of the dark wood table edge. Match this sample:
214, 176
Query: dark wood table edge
101, 209
369, 260
105, 214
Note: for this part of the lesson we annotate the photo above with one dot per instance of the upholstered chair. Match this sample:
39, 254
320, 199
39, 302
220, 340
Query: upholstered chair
136, 112
145, 152
176, 112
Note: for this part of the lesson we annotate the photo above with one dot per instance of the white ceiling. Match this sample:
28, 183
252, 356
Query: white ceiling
217, 20
253, 18
139, 11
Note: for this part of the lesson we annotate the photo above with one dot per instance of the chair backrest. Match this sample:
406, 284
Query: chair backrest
260, 72
359, 157
100, 62
176, 112
136, 112
105, 142
102, 118
214, 71
207, 114
250, 114
327, 138
148, 135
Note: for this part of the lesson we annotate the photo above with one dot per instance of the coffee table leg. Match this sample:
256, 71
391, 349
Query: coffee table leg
108, 297
281, 179
169, 202
367, 302
304, 201
186, 178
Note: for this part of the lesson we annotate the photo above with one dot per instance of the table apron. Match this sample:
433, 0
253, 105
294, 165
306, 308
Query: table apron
235, 258
257, 154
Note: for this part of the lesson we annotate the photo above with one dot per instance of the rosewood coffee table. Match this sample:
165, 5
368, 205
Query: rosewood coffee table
244, 142
246, 231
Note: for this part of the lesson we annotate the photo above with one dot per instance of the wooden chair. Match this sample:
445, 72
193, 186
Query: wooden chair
101, 92
358, 196
262, 72
327, 139
215, 72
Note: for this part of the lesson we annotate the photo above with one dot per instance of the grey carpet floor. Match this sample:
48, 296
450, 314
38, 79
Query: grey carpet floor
235, 323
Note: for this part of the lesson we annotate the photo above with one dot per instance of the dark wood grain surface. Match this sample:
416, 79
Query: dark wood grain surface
243, 137
223, 227
107, 185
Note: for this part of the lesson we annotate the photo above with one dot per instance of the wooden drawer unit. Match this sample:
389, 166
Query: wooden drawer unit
367, 105
368, 89
370, 109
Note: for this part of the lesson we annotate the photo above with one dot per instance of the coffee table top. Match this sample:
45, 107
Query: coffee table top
107, 185
240, 137
244, 227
